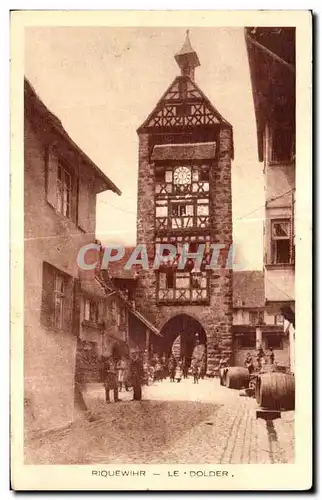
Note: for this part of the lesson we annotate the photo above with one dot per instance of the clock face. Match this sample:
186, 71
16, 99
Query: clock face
182, 175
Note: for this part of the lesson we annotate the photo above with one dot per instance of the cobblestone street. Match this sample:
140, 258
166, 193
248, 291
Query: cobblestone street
175, 423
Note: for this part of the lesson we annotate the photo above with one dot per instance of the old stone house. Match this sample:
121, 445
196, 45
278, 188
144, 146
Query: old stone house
271, 54
254, 324
63, 309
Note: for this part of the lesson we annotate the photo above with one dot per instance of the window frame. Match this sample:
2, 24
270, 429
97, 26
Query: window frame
274, 239
58, 300
248, 347
184, 295
268, 336
64, 188
271, 139
253, 318
93, 306
278, 323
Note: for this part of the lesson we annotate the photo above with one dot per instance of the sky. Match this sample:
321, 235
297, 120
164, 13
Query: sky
103, 82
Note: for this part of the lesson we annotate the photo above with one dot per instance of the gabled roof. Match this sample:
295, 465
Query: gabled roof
116, 269
33, 100
248, 289
195, 97
271, 57
106, 281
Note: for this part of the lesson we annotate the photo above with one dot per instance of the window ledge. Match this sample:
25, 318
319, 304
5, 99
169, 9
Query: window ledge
92, 324
183, 302
281, 163
280, 266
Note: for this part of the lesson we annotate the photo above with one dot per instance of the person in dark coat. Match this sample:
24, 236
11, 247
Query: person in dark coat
172, 368
137, 374
261, 357
185, 368
249, 363
271, 356
203, 367
109, 374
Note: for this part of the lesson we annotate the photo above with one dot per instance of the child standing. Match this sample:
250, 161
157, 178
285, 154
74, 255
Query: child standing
195, 372
178, 375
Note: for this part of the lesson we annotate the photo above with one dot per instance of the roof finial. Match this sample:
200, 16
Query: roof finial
187, 58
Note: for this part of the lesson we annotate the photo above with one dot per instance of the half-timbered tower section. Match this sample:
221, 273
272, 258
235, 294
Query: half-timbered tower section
184, 199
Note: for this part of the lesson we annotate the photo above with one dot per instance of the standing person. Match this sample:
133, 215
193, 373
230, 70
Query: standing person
127, 374
260, 357
222, 363
157, 371
137, 376
121, 367
249, 363
164, 367
185, 368
146, 370
271, 356
178, 372
172, 368
110, 379
195, 372
203, 367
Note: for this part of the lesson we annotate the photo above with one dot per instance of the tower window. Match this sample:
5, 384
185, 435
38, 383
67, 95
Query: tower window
281, 243
204, 174
159, 174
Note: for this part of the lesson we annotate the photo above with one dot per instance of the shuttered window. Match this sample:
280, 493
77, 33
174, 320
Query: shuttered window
61, 186
57, 299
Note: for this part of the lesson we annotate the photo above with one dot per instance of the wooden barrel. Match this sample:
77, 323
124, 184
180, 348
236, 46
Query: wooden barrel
276, 391
237, 377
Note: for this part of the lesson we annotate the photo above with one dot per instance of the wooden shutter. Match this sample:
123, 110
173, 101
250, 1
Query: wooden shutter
83, 203
74, 199
48, 285
52, 168
77, 307
101, 311
68, 304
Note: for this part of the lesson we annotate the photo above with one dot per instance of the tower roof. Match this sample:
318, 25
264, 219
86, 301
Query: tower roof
187, 56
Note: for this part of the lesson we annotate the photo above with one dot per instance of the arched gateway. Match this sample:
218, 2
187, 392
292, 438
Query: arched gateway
189, 332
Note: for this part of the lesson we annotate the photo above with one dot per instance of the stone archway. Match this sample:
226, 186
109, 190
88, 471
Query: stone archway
189, 330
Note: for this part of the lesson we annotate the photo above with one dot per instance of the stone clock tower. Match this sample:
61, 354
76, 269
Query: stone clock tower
184, 198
